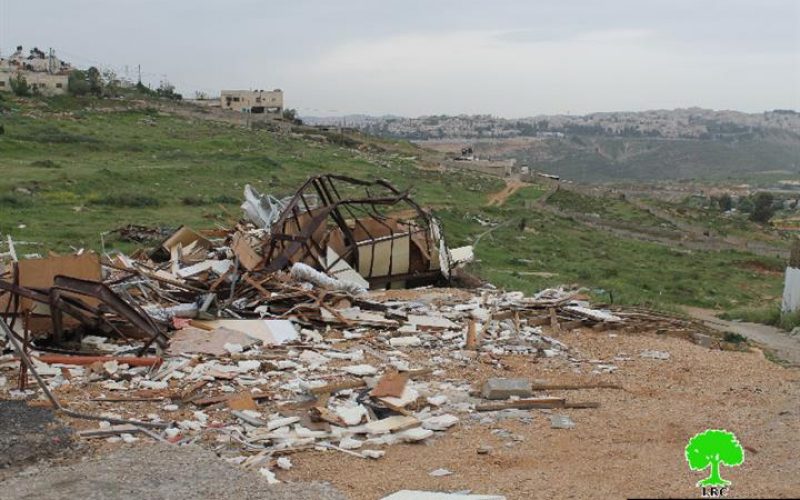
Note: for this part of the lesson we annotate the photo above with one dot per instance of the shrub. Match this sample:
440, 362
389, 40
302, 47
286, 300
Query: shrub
226, 199
763, 208
734, 338
45, 164
13, 200
20, 87
193, 201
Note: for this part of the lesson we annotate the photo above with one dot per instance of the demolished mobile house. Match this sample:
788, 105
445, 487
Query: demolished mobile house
339, 232
339, 224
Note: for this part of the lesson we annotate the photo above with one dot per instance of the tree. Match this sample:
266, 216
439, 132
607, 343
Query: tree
762, 208
745, 205
111, 85
78, 83
20, 87
290, 114
712, 448
166, 89
95, 81
725, 202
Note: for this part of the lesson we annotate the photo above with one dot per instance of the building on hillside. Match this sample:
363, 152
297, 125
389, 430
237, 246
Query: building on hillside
252, 101
45, 73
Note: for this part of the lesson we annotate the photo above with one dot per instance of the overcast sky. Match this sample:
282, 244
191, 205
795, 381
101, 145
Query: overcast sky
414, 57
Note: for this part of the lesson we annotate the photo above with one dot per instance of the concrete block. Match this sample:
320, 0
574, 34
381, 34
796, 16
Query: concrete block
504, 388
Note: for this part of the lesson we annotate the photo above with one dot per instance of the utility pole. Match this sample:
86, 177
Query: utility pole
139, 67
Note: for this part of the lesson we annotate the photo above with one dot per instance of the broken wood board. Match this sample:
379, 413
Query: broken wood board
199, 341
395, 423
593, 314
225, 397
39, 273
248, 257
356, 315
391, 384
338, 386
388, 256
185, 237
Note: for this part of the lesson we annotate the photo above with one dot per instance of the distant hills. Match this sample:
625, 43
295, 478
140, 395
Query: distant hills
647, 145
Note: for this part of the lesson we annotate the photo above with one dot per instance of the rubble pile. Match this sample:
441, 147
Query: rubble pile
279, 336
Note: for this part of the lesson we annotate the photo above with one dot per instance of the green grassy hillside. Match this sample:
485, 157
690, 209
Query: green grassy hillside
72, 170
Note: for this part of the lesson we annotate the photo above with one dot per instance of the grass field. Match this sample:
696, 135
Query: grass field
72, 170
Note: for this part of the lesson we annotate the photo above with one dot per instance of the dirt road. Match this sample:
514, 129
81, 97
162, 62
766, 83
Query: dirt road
785, 346
499, 198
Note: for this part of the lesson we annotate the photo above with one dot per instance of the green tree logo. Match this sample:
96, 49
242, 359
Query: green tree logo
712, 448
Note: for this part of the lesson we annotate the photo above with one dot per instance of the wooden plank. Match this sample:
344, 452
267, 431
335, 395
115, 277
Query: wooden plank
571, 387
224, 398
554, 320
472, 336
339, 386
523, 404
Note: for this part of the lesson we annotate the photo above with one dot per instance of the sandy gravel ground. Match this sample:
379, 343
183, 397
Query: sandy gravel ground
155, 471
632, 446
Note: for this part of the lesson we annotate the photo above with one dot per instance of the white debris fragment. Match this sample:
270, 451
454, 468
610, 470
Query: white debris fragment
248, 365
269, 475
233, 348
649, 354
405, 341
352, 415
190, 425
437, 400
111, 367
360, 370
284, 463
561, 422
172, 432
128, 438
374, 454
349, 443
440, 423
415, 434
440, 473
281, 422
153, 384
